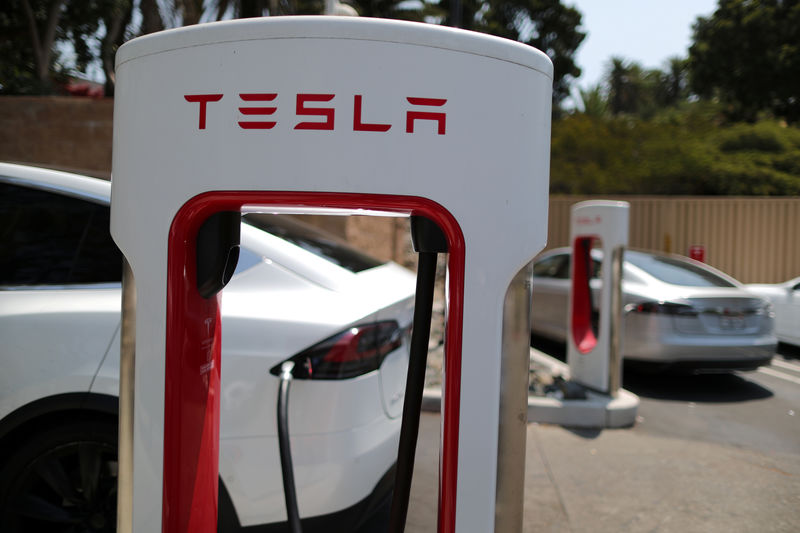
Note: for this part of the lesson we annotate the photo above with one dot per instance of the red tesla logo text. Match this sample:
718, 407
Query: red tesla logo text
257, 108
585, 221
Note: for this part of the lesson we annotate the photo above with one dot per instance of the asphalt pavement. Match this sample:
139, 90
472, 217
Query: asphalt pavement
625, 480
678, 469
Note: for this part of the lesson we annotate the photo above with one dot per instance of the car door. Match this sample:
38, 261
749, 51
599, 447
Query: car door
787, 314
550, 293
59, 293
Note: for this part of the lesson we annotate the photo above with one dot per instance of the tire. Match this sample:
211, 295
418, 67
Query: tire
62, 479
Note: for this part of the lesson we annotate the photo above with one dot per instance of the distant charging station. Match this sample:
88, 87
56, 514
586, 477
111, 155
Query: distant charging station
594, 351
300, 114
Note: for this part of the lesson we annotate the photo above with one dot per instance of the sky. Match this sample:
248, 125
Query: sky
646, 31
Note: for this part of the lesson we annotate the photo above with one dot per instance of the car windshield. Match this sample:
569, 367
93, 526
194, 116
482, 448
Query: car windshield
675, 271
312, 240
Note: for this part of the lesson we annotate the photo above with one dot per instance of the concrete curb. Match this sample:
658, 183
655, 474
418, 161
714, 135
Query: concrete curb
597, 411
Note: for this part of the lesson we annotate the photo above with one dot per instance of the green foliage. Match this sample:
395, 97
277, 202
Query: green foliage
683, 151
547, 25
763, 137
748, 55
33, 33
20, 72
29, 63
644, 92
594, 101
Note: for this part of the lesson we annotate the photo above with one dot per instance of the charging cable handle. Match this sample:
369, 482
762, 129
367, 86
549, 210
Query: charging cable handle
289, 492
428, 240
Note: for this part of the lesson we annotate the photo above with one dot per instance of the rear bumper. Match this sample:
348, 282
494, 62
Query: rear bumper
702, 352
367, 516
334, 472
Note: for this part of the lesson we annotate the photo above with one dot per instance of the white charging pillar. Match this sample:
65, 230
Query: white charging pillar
594, 351
338, 113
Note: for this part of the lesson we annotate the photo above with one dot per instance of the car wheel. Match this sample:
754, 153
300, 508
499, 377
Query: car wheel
62, 479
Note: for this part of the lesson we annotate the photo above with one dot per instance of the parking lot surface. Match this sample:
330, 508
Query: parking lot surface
624, 480
708, 454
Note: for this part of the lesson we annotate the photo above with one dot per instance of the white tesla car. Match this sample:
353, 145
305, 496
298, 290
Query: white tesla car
679, 314
785, 298
296, 294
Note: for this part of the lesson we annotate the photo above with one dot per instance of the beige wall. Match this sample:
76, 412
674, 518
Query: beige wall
756, 240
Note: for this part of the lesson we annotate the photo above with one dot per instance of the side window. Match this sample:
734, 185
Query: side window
51, 239
556, 266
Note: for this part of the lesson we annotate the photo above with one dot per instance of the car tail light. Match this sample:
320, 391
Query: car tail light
353, 352
664, 308
765, 309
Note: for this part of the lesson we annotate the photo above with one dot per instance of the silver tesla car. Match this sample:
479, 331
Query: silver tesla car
679, 313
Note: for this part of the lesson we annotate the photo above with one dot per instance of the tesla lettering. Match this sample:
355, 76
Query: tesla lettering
258, 106
257, 111
589, 221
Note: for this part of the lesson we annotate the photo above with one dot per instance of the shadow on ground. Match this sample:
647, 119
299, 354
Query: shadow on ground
702, 388
788, 351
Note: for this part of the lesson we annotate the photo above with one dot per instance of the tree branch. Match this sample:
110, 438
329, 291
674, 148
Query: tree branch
43, 48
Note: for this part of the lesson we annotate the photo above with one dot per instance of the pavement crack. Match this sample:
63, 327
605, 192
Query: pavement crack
552, 478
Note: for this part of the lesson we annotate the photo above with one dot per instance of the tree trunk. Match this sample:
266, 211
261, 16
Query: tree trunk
113, 39
151, 17
192, 11
43, 47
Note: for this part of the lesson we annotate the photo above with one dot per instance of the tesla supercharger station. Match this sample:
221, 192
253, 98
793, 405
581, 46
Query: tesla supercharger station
594, 351
316, 113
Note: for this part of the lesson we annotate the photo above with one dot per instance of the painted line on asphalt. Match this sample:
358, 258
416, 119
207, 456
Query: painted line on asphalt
777, 374
783, 364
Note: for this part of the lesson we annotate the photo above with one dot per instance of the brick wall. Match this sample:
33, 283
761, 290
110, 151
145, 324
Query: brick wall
61, 132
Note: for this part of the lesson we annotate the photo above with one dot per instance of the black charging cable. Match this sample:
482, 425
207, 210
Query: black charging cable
428, 241
289, 491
